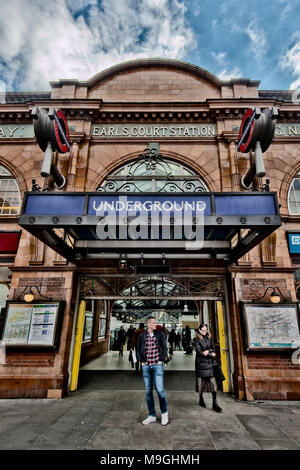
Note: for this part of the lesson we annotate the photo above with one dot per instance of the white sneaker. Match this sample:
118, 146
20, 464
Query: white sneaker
164, 418
150, 419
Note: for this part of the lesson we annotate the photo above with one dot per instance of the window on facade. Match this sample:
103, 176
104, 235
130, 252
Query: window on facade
4, 291
153, 175
294, 196
9, 193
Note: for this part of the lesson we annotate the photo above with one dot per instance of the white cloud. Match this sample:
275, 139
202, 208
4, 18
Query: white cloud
291, 61
286, 7
220, 57
227, 71
228, 74
259, 44
42, 41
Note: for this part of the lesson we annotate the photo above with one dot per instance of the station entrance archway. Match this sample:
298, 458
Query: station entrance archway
108, 302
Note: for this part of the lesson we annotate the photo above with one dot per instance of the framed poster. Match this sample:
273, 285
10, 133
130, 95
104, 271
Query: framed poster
32, 324
88, 326
271, 327
102, 319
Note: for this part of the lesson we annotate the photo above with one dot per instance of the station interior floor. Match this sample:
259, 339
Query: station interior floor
112, 361
112, 372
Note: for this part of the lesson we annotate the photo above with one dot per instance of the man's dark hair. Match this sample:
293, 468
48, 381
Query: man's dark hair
151, 318
141, 325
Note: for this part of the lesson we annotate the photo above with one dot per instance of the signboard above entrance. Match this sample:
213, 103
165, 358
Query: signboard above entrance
154, 130
209, 225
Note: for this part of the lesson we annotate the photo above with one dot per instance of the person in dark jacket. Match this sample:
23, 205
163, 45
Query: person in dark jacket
121, 340
152, 350
129, 335
205, 359
186, 340
134, 343
172, 340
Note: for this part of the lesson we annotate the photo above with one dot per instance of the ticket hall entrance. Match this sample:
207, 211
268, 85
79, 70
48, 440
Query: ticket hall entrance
108, 305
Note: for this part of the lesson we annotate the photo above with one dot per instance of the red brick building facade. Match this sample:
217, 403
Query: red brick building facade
195, 119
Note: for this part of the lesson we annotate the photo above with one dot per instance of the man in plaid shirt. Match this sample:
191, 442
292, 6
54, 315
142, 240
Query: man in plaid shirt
152, 350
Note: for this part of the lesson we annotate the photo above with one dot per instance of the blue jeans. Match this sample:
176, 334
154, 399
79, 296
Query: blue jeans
155, 374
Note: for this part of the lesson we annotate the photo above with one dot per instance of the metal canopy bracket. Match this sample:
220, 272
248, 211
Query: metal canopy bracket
232, 223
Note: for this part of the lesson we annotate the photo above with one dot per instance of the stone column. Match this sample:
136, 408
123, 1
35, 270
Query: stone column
74, 154
235, 176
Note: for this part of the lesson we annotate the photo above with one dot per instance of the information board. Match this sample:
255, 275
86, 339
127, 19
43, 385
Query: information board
31, 324
270, 326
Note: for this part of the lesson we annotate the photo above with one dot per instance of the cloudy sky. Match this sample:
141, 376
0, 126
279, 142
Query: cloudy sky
48, 40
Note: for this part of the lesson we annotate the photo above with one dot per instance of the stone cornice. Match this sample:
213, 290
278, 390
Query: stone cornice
98, 111
265, 269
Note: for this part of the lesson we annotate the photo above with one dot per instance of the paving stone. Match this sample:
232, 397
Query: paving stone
21, 437
153, 436
121, 419
130, 405
132, 395
8, 423
233, 441
295, 437
182, 431
110, 438
94, 395
274, 444
270, 409
287, 422
189, 397
261, 427
199, 445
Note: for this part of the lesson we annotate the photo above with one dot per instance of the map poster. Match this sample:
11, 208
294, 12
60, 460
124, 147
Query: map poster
271, 326
17, 324
42, 328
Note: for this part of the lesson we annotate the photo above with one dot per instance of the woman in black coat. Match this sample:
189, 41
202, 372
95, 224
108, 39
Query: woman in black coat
205, 360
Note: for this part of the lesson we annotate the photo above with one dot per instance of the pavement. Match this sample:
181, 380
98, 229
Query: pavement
107, 410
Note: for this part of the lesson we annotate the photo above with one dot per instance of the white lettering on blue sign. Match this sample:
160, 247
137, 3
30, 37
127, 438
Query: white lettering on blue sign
295, 239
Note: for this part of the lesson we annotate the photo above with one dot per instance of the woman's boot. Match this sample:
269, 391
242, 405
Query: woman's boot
201, 401
215, 406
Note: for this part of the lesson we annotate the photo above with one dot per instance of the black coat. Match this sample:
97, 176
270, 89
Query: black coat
204, 364
121, 337
162, 345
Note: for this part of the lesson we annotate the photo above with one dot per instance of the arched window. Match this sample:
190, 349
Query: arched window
10, 198
153, 173
294, 196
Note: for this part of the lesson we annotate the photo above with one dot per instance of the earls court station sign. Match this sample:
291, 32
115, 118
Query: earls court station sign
152, 131
18, 131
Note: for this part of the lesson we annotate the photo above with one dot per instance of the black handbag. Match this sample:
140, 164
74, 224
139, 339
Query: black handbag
218, 373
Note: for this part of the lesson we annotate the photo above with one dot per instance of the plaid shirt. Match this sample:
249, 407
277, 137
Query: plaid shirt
151, 350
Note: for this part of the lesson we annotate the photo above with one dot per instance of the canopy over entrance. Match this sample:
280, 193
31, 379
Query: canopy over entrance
86, 226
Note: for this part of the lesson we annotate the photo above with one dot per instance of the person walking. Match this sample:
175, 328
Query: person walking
186, 340
172, 340
121, 340
129, 335
204, 362
134, 342
178, 341
165, 331
152, 350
